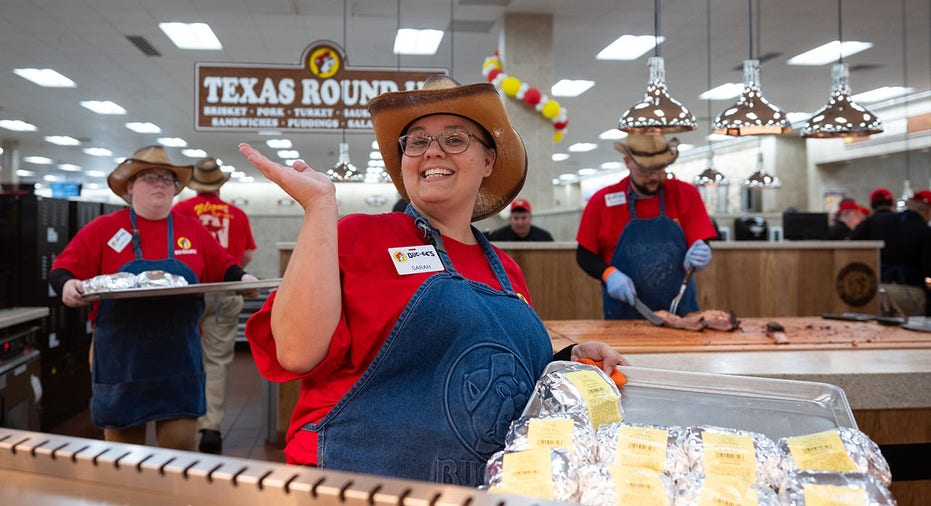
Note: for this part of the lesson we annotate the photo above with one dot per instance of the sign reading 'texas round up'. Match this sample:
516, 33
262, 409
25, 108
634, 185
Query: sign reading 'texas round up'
322, 93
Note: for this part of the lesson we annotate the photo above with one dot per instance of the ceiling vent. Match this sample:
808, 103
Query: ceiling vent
143, 45
466, 26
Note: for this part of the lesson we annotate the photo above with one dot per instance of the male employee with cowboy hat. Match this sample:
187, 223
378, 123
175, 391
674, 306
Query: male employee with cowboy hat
146, 356
229, 225
640, 235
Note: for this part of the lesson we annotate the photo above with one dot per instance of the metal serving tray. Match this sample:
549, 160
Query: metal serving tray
161, 291
774, 407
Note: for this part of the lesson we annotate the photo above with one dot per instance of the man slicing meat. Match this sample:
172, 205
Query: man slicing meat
640, 235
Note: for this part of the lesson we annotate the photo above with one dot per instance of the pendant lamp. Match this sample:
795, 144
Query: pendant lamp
841, 117
344, 171
710, 176
657, 113
760, 178
752, 114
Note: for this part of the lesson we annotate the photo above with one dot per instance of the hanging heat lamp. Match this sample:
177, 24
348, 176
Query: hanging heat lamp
658, 112
841, 117
711, 183
344, 171
752, 114
761, 178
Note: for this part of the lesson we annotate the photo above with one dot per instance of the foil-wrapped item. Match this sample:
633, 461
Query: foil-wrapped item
696, 488
546, 473
601, 485
653, 447
722, 451
554, 431
109, 283
126, 281
580, 390
855, 489
842, 449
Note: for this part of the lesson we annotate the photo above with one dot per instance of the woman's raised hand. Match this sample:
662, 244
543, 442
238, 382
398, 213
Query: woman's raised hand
300, 181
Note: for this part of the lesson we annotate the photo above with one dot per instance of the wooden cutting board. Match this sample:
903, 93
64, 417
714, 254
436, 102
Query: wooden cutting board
803, 333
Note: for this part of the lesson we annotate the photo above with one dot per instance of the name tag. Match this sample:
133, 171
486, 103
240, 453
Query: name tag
415, 259
615, 199
120, 240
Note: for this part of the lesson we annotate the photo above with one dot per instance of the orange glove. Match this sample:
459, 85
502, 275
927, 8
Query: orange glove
616, 375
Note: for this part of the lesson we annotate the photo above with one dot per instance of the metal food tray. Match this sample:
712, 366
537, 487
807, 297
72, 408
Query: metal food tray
776, 408
161, 291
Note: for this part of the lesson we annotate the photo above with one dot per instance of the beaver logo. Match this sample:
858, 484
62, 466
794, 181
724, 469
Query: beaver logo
486, 388
324, 62
856, 284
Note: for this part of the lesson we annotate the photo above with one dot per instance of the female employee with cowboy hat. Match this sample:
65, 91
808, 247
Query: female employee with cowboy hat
640, 235
412, 335
146, 356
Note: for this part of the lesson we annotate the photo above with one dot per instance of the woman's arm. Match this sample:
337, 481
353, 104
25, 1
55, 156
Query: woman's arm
308, 305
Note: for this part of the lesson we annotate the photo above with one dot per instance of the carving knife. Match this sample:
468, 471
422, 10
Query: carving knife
647, 313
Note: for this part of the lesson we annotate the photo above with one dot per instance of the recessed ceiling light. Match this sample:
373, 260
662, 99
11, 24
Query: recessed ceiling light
571, 87
45, 77
289, 153
612, 135
612, 165
143, 127
38, 160
172, 142
413, 41
279, 143
886, 92
559, 157
191, 35
95, 173
17, 125
69, 167
51, 178
587, 172
98, 152
582, 147
62, 140
724, 91
629, 47
103, 107
194, 153
829, 53
25, 173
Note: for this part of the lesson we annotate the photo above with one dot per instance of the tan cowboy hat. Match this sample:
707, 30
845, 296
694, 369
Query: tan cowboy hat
207, 176
392, 112
649, 151
149, 157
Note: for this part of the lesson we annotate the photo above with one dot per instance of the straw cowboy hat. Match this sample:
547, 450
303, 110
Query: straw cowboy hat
392, 112
649, 151
207, 176
149, 157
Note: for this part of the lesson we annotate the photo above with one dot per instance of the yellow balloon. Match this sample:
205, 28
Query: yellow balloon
557, 136
550, 109
491, 63
510, 86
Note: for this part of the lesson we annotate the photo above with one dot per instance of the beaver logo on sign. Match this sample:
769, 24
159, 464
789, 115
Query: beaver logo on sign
856, 284
324, 61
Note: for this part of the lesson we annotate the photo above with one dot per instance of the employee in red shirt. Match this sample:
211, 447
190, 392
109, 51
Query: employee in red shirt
229, 225
413, 337
146, 361
640, 235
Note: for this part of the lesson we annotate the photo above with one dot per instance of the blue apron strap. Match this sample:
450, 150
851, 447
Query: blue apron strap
632, 200
137, 240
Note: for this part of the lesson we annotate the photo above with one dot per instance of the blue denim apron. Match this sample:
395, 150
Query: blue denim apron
147, 356
458, 366
651, 252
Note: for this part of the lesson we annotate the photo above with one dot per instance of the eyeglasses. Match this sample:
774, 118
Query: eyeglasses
451, 142
648, 170
153, 179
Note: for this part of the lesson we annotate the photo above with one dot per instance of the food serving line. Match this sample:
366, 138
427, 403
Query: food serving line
884, 371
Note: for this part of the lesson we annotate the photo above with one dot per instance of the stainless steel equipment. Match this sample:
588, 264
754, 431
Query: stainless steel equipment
42, 469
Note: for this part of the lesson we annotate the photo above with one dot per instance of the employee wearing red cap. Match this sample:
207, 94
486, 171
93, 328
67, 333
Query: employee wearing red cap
849, 215
883, 204
881, 199
519, 227
905, 260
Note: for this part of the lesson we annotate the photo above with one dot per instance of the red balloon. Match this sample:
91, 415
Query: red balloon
561, 125
492, 74
532, 96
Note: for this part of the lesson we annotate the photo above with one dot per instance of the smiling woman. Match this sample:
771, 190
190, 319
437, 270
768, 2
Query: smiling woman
453, 309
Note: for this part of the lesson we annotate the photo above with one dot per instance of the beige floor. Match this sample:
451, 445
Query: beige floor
243, 433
